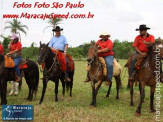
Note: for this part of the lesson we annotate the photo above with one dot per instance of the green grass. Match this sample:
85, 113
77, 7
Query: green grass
77, 108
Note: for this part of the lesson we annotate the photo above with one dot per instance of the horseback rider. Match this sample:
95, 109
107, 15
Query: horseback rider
141, 44
105, 50
15, 52
59, 43
1, 48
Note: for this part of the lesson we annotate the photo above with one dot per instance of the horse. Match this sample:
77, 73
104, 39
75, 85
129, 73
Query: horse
31, 75
96, 74
146, 75
52, 71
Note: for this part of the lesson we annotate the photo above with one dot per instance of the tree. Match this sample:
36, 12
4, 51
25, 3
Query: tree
5, 43
53, 22
16, 26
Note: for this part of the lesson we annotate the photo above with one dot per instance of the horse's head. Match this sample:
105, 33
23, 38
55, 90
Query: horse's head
42, 52
92, 53
157, 47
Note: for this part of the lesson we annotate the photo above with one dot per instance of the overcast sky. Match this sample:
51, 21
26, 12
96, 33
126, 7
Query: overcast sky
119, 18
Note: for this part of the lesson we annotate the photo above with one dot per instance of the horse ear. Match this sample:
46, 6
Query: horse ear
47, 44
91, 43
159, 39
40, 43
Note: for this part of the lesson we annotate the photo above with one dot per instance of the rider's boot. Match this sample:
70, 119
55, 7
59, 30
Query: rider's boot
108, 82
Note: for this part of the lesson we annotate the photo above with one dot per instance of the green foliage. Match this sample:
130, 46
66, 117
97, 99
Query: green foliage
30, 52
5, 43
122, 50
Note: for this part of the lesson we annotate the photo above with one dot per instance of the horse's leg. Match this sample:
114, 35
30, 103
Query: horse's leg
117, 79
131, 92
43, 91
63, 86
96, 91
1, 92
152, 90
142, 86
108, 93
140, 90
93, 93
71, 85
12, 88
16, 88
4, 92
56, 90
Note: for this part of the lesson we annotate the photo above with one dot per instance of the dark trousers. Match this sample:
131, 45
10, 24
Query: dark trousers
133, 64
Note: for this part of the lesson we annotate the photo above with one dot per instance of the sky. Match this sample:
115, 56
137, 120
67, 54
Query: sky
119, 18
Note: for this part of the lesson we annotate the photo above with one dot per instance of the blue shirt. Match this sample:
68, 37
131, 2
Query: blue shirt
58, 42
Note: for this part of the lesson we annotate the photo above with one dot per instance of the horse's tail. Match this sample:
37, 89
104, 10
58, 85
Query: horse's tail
36, 80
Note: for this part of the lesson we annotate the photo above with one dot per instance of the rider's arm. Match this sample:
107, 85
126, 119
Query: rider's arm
105, 50
15, 51
66, 47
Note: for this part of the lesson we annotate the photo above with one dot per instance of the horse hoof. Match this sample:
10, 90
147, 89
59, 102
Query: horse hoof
40, 102
107, 96
137, 114
56, 100
15, 94
153, 111
92, 105
117, 98
131, 104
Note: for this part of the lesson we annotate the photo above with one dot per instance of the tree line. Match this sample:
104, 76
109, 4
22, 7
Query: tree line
122, 50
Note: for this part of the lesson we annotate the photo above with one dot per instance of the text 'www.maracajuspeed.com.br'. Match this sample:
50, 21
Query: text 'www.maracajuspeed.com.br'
52, 15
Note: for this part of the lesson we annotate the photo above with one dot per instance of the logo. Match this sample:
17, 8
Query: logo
17, 112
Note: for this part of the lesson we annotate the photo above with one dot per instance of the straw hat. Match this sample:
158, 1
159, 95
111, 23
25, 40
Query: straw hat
104, 34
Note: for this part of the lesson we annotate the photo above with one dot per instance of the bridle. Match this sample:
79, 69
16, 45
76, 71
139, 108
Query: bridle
46, 71
99, 67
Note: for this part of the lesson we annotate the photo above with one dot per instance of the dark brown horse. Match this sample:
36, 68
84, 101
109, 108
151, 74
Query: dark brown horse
52, 71
96, 74
146, 75
31, 75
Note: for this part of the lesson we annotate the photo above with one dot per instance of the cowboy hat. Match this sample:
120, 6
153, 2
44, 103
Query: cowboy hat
104, 34
143, 27
57, 28
14, 36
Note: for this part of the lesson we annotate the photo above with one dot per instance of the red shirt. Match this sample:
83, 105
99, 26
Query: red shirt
15, 46
107, 44
139, 42
1, 49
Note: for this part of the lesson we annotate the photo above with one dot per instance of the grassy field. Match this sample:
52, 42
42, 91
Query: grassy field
77, 108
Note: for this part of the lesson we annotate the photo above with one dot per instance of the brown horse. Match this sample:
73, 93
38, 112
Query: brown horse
146, 75
96, 74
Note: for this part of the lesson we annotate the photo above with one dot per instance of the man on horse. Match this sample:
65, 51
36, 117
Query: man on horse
15, 53
59, 43
141, 44
105, 50
1, 48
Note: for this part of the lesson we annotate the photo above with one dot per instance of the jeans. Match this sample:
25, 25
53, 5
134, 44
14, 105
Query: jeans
109, 64
17, 61
133, 64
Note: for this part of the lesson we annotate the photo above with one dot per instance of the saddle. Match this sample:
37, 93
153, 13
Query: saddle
116, 67
9, 62
62, 61
139, 61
